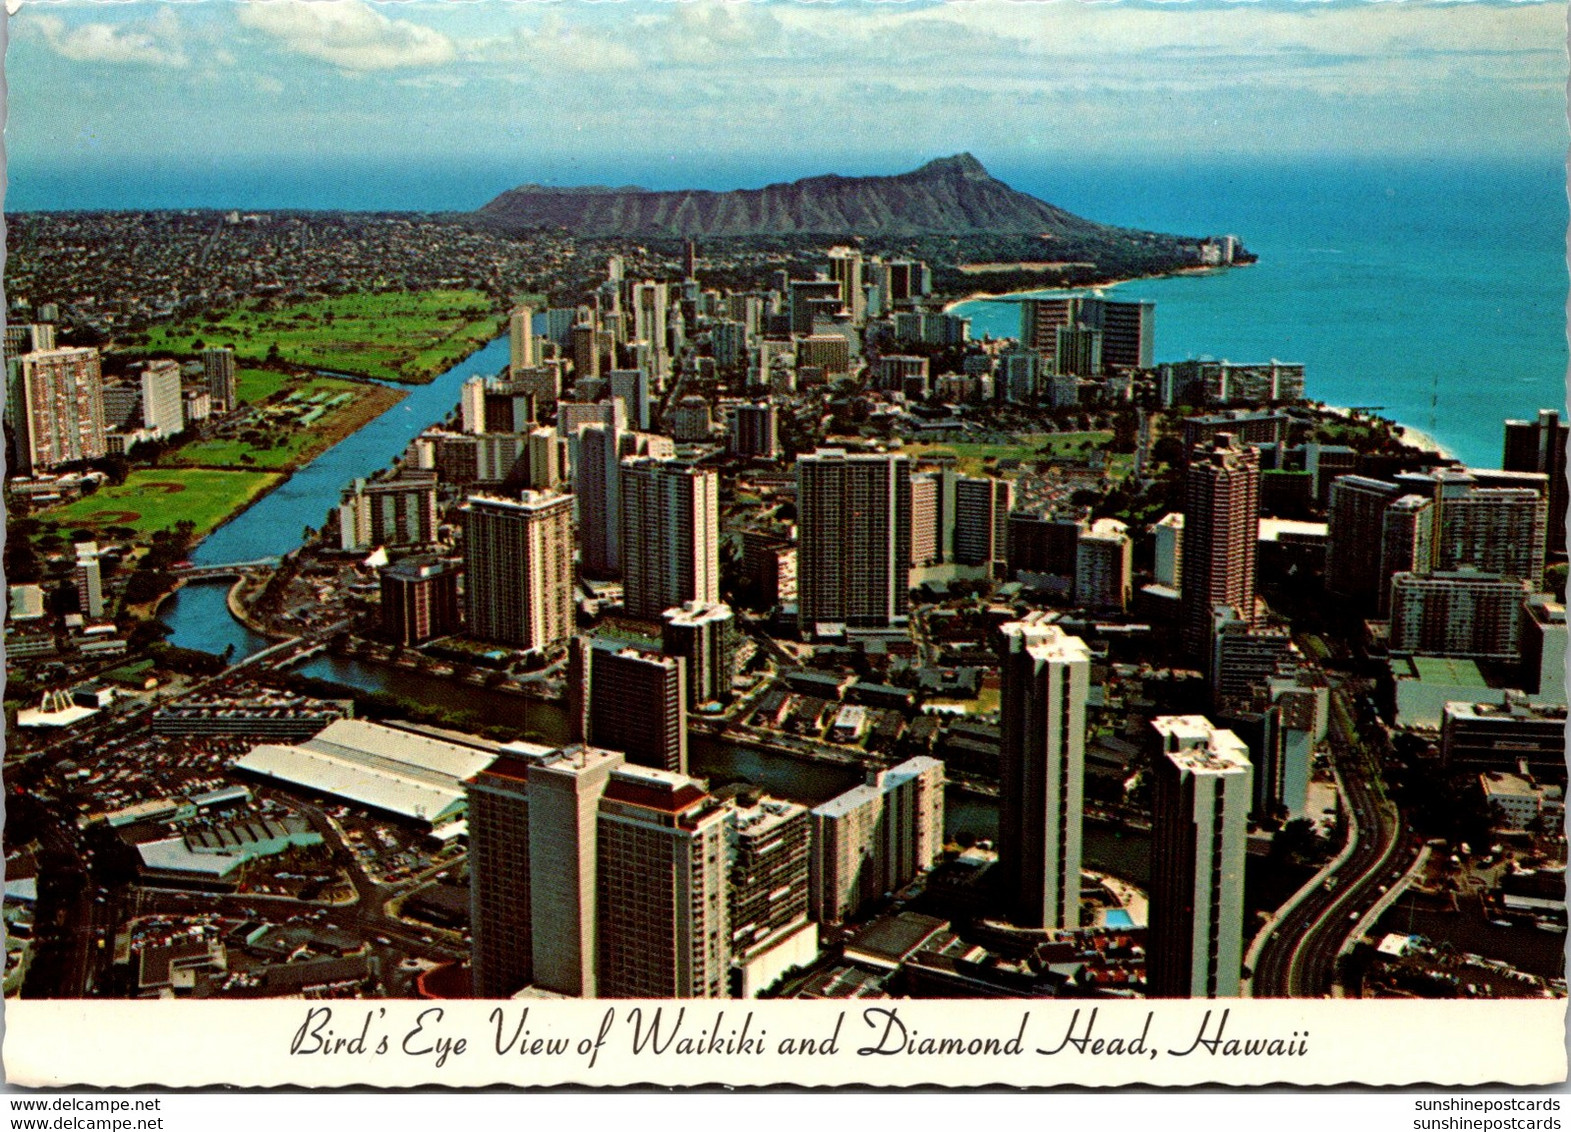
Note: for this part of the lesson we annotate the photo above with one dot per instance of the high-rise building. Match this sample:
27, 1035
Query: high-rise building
1406, 543
895, 370
565, 905
1221, 530
490, 406
854, 519
390, 513
1169, 534
162, 412
597, 483
812, 299
1355, 526
770, 888
1244, 656
1045, 676
419, 600
521, 340
670, 535
218, 365
755, 432
651, 306
1483, 520
632, 387
1203, 784
902, 281
1540, 446
574, 415
1077, 351
1462, 613
664, 864
925, 489
1104, 566
980, 520
559, 322
625, 699
518, 569
585, 350
704, 635
57, 408
533, 870
692, 422
830, 353
845, 268
1209, 381
89, 580
729, 340
1043, 544
497, 817
1125, 329
544, 452
1128, 330
1544, 638
1496, 529
876, 838
543, 382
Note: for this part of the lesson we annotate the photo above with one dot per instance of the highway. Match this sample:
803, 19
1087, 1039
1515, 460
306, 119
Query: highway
1299, 957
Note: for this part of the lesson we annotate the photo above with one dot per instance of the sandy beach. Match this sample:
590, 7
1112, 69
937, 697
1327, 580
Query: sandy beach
1409, 435
977, 296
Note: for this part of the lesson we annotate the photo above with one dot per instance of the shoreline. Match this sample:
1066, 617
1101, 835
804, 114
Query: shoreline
1407, 434
984, 296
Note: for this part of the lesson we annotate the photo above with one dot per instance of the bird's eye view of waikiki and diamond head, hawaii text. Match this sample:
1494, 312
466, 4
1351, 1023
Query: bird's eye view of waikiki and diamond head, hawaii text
812, 540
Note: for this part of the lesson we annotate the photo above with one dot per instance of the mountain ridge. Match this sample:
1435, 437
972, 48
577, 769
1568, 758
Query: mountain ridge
953, 195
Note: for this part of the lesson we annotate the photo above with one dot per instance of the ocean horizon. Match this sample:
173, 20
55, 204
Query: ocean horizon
1435, 290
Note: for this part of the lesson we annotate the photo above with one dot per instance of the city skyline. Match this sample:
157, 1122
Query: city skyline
592, 93
833, 594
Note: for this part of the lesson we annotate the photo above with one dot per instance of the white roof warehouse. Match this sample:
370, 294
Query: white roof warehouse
400, 772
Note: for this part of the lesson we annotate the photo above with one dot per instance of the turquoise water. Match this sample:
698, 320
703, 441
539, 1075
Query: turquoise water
1437, 291
1117, 918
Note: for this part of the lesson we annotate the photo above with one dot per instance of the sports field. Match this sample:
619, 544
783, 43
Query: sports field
152, 499
397, 336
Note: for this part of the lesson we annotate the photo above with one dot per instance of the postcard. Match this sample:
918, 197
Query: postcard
958, 544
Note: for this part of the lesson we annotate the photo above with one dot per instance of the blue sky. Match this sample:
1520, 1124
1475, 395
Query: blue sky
652, 91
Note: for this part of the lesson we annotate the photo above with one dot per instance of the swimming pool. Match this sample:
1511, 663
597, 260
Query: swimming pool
1117, 918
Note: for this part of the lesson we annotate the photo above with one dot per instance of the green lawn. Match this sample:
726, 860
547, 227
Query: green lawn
152, 499
304, 417
971, 459
396, 336
260, 384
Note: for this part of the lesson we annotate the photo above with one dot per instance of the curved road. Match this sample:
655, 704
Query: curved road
1298, 959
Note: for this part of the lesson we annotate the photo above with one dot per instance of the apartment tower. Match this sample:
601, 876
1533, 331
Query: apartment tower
1045, 677
1203, 788
518, 569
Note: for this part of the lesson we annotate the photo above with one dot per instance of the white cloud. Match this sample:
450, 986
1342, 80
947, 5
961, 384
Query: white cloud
555, 45
153, 43
348, 34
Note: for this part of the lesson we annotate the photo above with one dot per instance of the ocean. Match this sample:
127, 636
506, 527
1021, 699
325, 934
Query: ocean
1435, 290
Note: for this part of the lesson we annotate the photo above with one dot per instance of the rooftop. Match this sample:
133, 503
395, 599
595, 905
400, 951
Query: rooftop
402, 772
1450, 671
1044, 639
1195, 744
